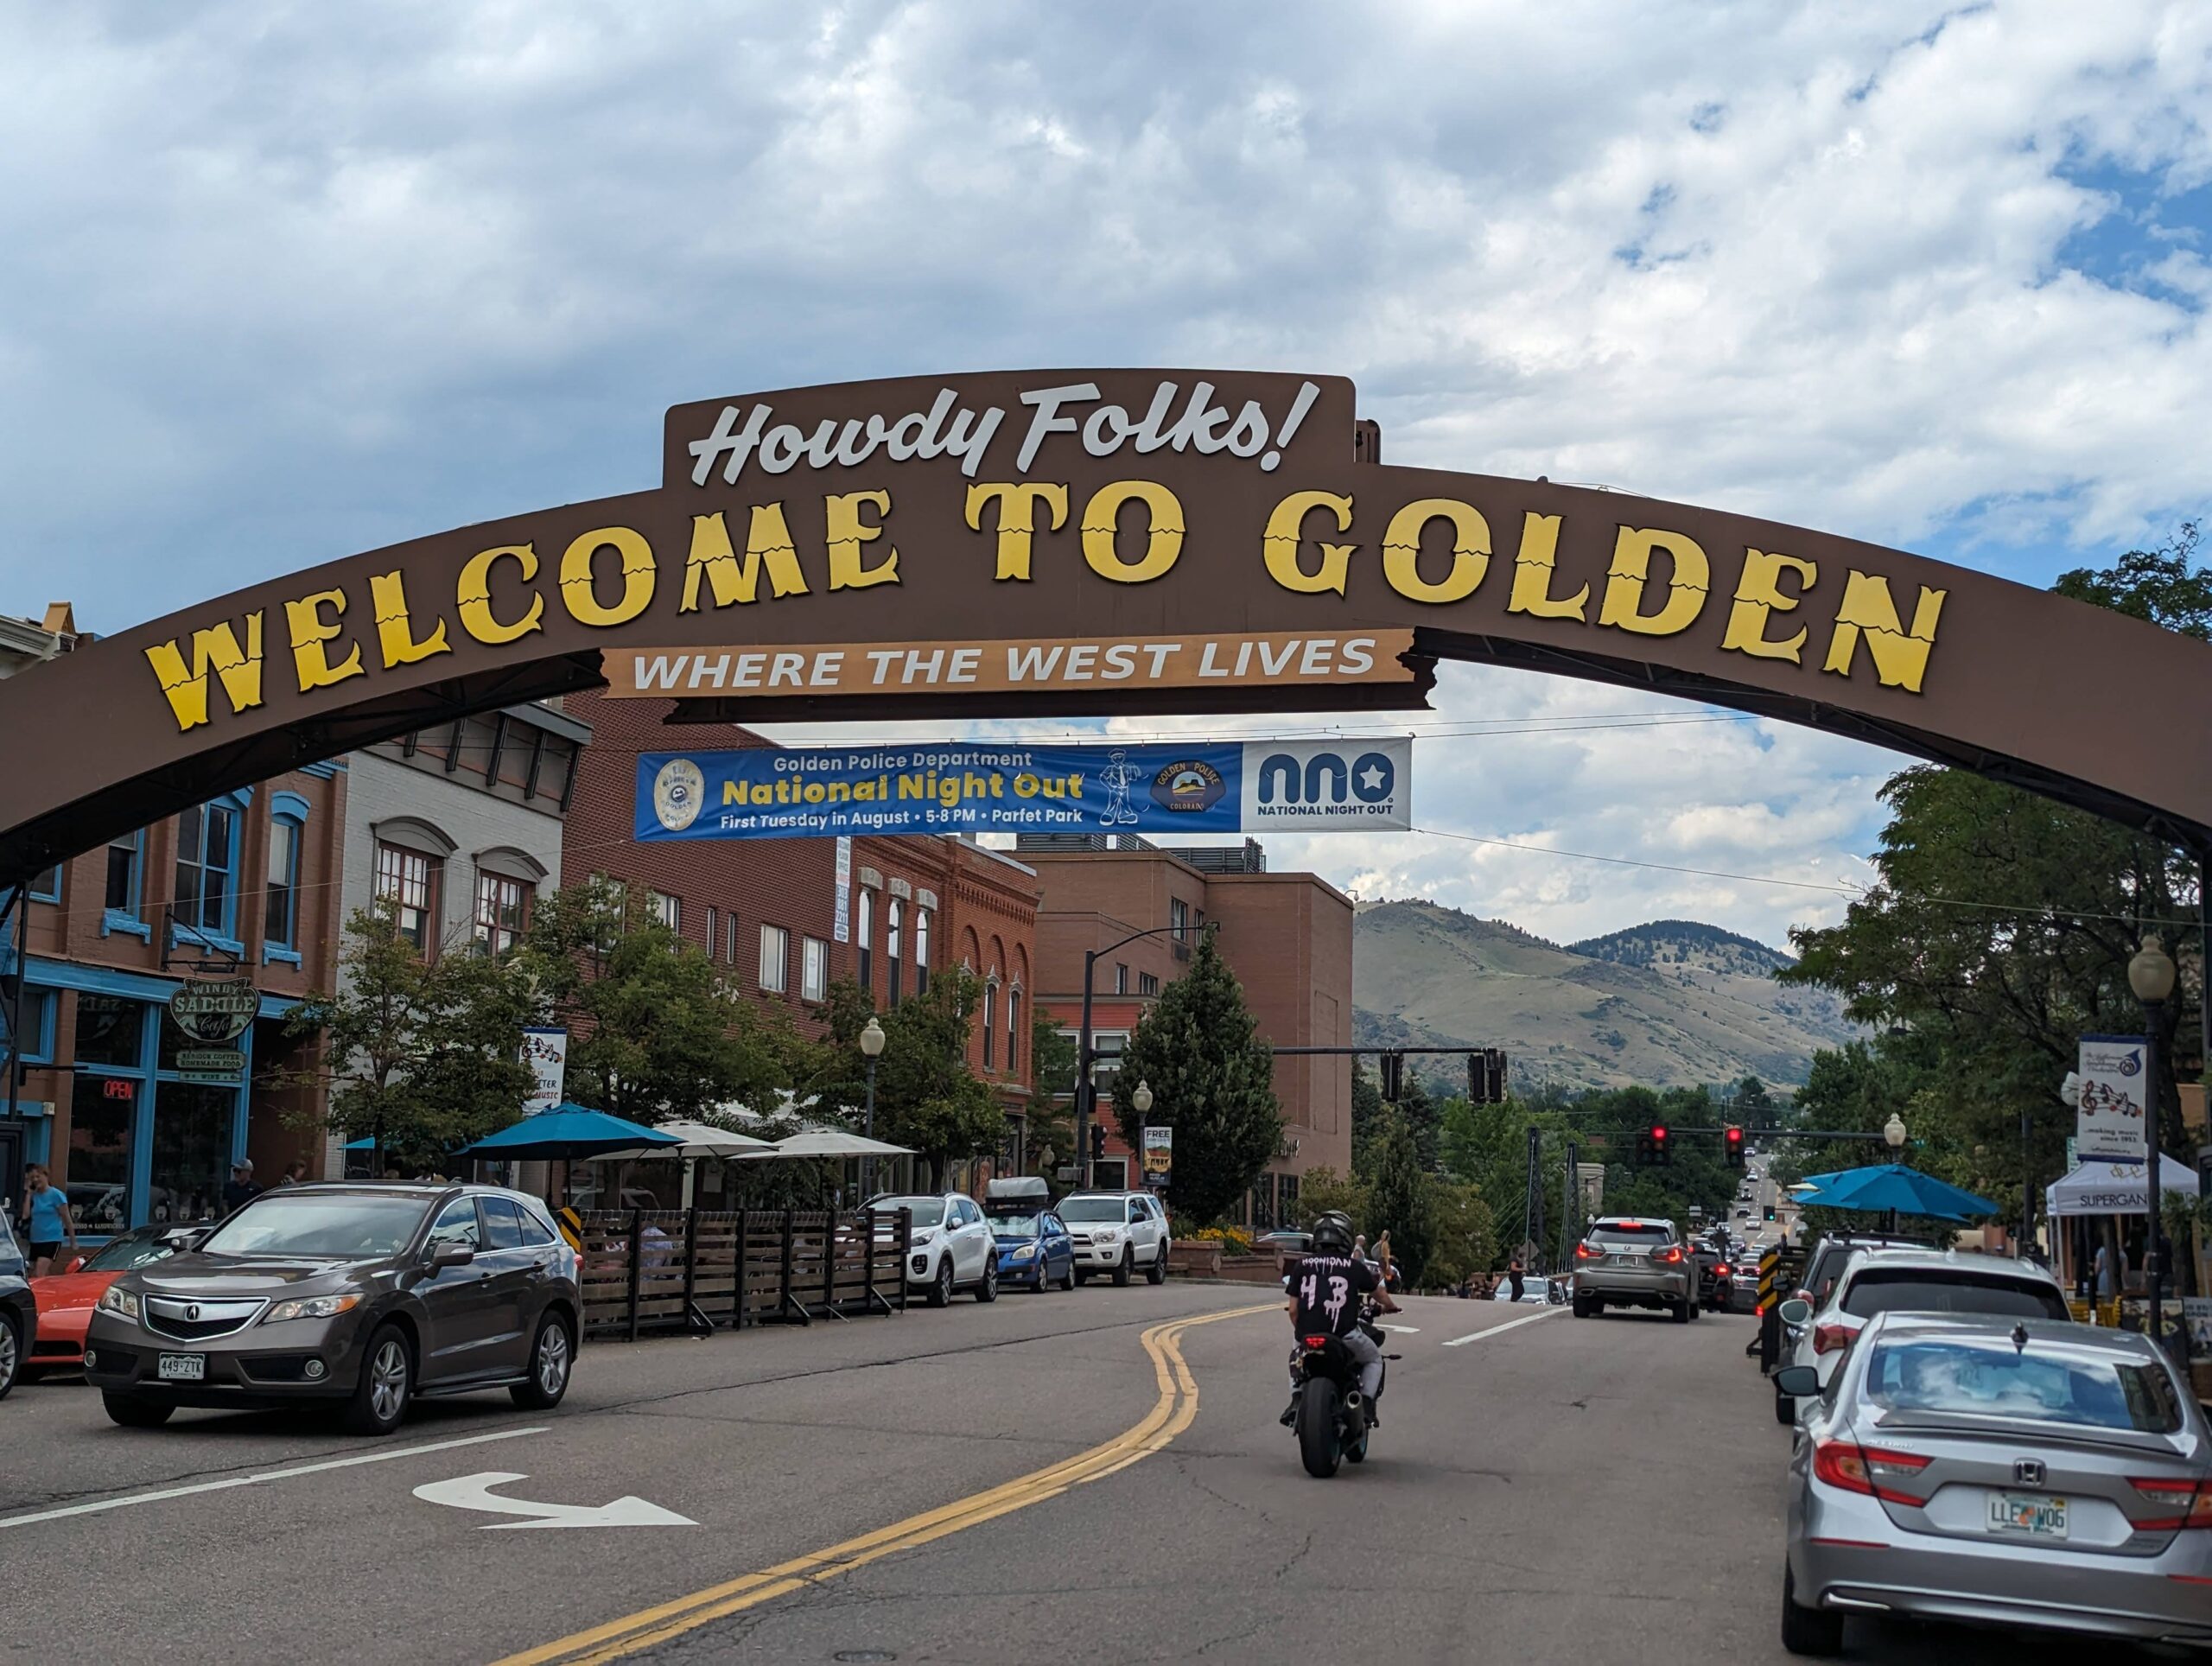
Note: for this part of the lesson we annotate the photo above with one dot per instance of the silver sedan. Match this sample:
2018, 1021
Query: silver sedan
2026, 1473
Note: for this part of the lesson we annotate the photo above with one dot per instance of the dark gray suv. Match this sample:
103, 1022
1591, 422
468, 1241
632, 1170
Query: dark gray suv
364, 1296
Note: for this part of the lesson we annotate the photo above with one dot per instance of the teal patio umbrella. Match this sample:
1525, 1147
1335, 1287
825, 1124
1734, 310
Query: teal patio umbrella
1893, 1188
566, 1131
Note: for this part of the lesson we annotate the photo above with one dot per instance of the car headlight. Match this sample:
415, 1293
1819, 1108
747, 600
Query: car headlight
1025, 1251
313, 1307
117, 1299
1105, 1235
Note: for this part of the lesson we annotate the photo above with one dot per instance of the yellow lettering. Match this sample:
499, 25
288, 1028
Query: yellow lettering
1900, 656
311, 632
638, 573
1017, 517
1279, 544
1163, 537
1469, 549
1632, 568
847, 532
1759, 597
1533, 563
215, 649
767, 544
395, 632
473, 596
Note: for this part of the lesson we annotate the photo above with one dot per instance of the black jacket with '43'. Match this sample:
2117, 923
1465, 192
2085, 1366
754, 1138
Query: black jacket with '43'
1327, 1289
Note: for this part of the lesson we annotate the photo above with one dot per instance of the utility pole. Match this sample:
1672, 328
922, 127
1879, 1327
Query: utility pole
1532, 1219
1570, 1212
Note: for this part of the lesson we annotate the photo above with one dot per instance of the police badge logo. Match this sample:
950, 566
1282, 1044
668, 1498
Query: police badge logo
679, 794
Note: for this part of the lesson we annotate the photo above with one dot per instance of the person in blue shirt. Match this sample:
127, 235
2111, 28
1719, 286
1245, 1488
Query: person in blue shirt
48, 1225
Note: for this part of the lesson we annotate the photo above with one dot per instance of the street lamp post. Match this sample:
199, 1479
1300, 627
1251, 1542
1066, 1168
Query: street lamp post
1142, 1100
872, 1041
1893, 1133
1086, 1057
2151, 975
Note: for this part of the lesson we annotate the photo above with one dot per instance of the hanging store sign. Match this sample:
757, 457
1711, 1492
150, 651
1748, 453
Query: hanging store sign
214, 1011
1158, 1155
1171, 790
2108, 1122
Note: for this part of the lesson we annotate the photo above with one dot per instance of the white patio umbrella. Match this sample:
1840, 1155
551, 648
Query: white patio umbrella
700, 1140
831, 1143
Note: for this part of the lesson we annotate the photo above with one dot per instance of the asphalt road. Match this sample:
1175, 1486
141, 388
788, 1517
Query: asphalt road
1552, 1489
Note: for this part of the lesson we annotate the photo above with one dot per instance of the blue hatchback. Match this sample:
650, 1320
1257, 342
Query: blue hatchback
1034, 1251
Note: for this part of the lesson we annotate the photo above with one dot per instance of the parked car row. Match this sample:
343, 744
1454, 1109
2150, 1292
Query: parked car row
1962, 1450
1017, 1236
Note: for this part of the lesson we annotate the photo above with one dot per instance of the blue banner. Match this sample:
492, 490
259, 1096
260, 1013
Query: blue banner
1168, 790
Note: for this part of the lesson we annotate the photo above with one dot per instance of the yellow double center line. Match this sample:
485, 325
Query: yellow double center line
1177, 1404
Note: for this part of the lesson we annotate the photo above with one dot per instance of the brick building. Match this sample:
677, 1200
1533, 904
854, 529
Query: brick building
245, 886
786, 917
1287, 937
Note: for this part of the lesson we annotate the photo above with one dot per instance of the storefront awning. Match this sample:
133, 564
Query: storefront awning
2114, 1188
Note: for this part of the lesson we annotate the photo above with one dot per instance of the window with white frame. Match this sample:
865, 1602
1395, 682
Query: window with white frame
206, 867
921, 951
775, 959
280, 907
814, 969
864, 940
668, 910
409, 881
893, 937
502, 911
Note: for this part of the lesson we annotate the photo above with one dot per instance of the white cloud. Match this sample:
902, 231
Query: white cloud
280, 284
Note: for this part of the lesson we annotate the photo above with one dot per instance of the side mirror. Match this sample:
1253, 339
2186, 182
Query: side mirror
450, 1254
1798, 1382
76, 1264
1796, 1311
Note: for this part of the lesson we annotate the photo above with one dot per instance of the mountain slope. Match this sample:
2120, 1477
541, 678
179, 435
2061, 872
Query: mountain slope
1671, 1003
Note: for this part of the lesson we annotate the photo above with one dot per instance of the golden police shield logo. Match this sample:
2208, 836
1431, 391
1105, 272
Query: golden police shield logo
679, 794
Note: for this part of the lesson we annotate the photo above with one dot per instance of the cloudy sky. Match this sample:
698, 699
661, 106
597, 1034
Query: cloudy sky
280, 282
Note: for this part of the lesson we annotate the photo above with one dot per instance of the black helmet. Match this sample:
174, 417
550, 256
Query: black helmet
1332, 1233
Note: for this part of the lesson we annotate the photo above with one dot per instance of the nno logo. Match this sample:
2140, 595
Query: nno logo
1326, 780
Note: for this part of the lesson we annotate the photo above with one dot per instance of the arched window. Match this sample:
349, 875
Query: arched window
280, 904
207, 867
864, 936
894, 931
1014, 1029
990, 1008
921, 951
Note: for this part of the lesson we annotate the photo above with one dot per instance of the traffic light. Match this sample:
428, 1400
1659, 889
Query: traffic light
1097, 1140
1486, 1077
1732, 1141
1770, 1212
1661, 1149
1394, 1076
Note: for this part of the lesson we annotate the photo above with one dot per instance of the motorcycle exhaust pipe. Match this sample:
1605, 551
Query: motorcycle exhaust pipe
1353, 1401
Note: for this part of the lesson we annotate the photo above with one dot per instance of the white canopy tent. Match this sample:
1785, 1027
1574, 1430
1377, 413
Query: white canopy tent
2098, 1188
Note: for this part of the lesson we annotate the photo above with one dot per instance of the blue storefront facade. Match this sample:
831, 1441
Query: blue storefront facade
108, 1095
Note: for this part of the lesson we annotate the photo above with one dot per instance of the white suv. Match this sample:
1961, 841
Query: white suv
1119, 1232
952, 1247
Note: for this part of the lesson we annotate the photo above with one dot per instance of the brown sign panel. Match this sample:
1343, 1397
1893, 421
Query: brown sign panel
1109, 506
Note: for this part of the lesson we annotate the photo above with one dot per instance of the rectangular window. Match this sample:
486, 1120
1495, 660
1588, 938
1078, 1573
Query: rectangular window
207, 849
123, 874
109, 1030
192, 1150
1147, 983
1013, 1030
408, 879
46, 888
502, 911
38, 1027
775, 959
102, 1109
864, 937
1179, 917
714, 932
729, 952
814, 969
668, 910
280, 908
921, 951
1120, 977
894, 936
990, 1007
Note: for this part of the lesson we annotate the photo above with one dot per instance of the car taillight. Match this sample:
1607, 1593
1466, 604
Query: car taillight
1872, 1472
2190, 1502
1583, 1252
1721, 1271
1317, 1342
1672, 1253
1832, 1338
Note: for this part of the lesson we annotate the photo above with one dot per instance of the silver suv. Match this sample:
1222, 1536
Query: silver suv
1630, 1261
1117, 1234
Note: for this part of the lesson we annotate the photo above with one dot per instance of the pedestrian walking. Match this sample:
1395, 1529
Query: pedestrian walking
47, 1224
239, 1190
1519, 1274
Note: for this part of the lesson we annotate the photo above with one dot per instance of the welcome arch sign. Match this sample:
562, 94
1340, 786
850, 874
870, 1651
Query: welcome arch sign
1101, 542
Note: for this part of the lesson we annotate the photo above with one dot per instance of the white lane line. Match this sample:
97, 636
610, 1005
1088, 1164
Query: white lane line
229, 1482
1462, 1341
1402, 1330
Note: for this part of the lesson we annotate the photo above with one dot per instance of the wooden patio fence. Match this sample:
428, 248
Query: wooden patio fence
657, 1270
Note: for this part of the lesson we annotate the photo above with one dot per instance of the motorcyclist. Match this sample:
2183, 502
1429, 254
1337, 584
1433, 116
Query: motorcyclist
1328, 1285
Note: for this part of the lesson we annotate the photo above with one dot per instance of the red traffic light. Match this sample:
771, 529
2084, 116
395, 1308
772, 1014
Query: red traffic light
1659, 1133
1735, 1136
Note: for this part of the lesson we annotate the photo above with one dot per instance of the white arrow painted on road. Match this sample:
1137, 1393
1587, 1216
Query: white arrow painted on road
1402, 1330
475, 1492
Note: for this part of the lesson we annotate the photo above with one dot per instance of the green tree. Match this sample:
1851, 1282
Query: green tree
1422, 1114
1320, 1189
656, 1032
1402, 1201
1212, 1080
926, 1097
421, 1056
1052, 1098
1466, 1235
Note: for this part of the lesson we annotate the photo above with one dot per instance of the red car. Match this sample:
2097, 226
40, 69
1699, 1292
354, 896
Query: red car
66, 1299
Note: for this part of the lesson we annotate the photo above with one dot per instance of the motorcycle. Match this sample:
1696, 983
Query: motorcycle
1332, 1424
